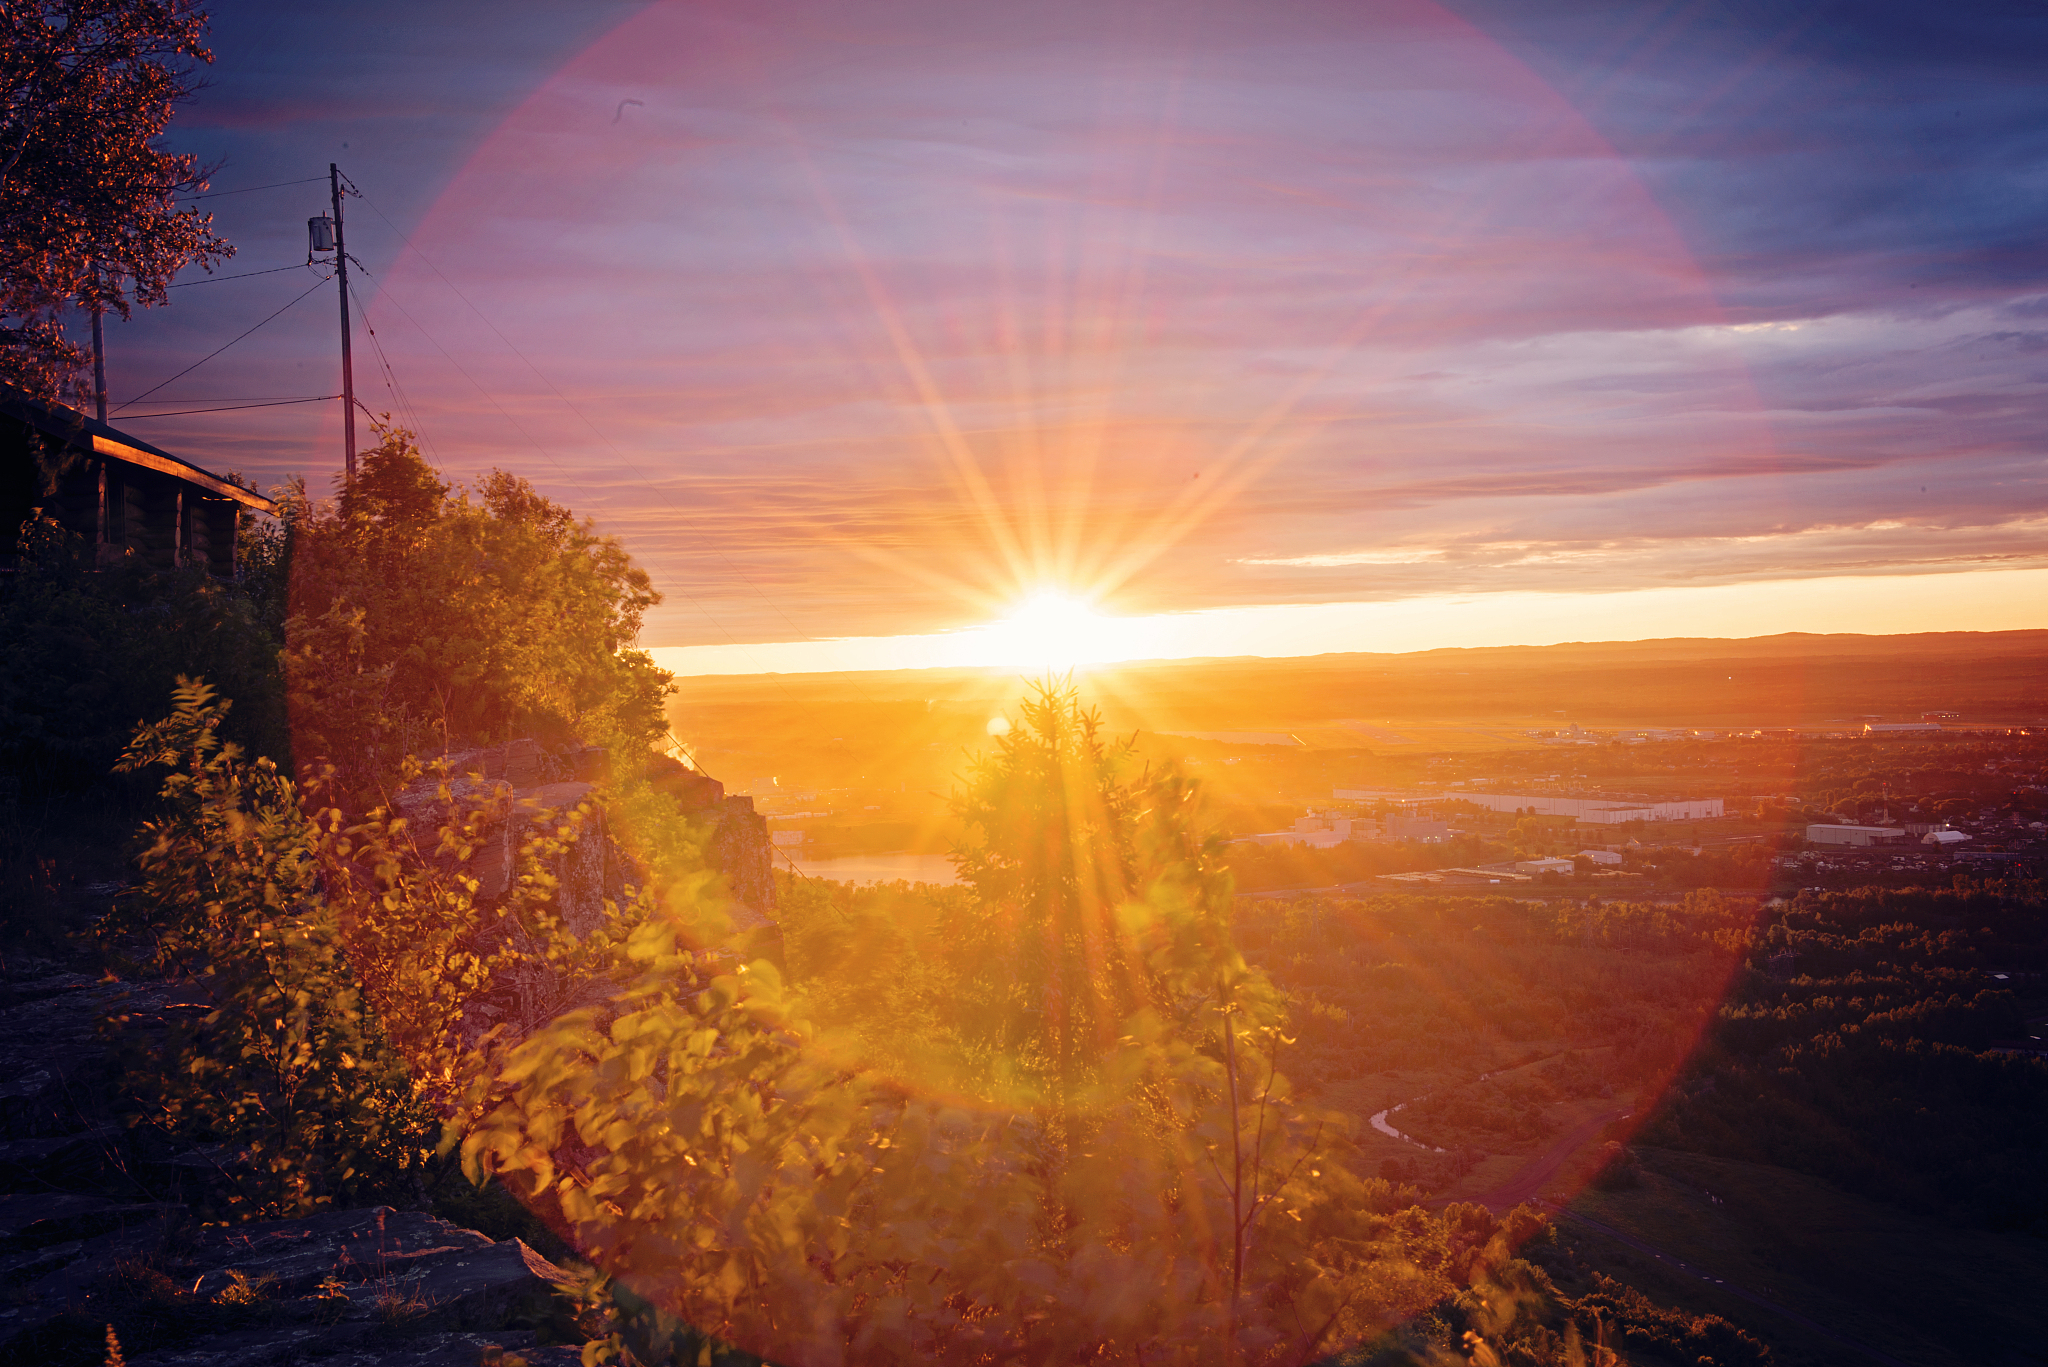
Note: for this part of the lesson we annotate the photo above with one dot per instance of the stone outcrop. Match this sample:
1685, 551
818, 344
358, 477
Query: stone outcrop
56, 1129
373, 1286
740, 847
538, 783
592, 870
541, 781
91, 1232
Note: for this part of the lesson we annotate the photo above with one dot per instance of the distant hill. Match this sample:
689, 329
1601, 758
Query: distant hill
1785, 680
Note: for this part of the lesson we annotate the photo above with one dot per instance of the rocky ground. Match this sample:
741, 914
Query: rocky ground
97, 1228
102, 1223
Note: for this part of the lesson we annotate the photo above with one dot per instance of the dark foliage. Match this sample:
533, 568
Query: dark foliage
1547, 1309
145, 1311
1638, 1325
92, 652
1870, 1043
291, 1068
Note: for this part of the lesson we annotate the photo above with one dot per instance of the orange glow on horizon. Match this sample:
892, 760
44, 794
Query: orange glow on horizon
1876, 605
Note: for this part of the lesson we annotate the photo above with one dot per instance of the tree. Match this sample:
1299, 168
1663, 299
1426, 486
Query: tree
1051, 850
88, 215
423, 618
1139, 1185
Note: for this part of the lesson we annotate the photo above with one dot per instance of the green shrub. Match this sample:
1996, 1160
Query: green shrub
287, 1072
1098, 1160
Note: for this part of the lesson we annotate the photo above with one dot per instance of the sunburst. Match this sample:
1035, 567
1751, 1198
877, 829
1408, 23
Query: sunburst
1051, 631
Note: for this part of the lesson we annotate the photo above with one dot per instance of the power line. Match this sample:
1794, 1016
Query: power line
233, 398
211, 354
246, 275
231, 408
529, 437
519, 427
531, 440
596, 431
251, 189
503, 412
391, 383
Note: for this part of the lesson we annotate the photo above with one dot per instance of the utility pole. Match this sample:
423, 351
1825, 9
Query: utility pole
99, 364
94, 288
348, 376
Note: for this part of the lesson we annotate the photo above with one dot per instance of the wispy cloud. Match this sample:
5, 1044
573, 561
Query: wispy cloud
870, 315
1332, 561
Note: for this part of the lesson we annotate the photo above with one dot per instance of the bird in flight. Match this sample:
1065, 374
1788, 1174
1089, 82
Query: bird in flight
622, 108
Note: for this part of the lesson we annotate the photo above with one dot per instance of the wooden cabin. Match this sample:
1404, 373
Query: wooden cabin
122, 495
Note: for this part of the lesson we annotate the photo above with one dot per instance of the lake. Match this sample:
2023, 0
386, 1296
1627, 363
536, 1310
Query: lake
881, 868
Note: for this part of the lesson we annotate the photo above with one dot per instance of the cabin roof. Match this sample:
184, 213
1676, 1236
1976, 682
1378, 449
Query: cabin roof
75, 429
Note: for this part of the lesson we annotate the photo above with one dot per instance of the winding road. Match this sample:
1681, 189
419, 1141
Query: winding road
1385, 1127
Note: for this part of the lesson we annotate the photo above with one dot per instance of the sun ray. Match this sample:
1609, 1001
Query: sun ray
910, 357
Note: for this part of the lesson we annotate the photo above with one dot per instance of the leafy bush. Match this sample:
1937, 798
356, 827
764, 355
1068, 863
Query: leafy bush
287, 1072
346, 959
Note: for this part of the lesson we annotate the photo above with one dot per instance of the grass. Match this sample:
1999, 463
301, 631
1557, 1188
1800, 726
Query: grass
1923, 1293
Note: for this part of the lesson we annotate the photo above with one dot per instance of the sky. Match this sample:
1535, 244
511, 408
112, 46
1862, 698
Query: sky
1200, 327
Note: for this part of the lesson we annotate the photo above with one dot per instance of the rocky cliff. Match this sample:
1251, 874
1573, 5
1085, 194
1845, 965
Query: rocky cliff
540, 780
740, 847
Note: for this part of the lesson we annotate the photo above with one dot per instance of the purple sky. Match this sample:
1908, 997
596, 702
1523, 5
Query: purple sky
870, 317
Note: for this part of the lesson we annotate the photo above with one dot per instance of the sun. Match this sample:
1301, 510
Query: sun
1050, 630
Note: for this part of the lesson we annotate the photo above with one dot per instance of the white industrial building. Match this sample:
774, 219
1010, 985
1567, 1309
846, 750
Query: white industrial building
1596, 811
1853, 835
